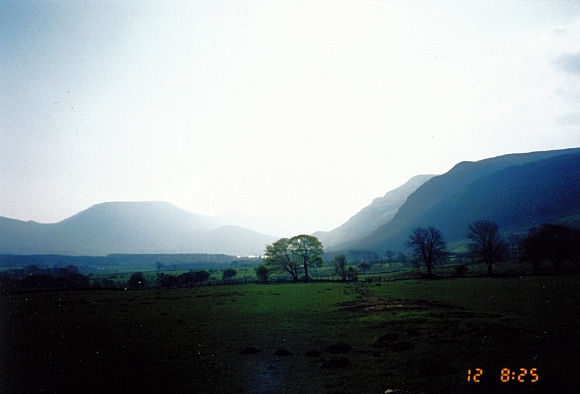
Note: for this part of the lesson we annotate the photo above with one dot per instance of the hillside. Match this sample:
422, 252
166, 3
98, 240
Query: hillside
373, 216
517, 191
129, 227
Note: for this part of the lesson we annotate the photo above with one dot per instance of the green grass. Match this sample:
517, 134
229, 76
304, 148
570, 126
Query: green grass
190, 340
384, 272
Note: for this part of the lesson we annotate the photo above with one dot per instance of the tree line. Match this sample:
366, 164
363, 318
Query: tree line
427, 246
69, 277
35, 277
556, 243
296, 255
186, 279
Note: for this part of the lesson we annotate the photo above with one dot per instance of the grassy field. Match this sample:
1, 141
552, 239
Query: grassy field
381, 272
353, 337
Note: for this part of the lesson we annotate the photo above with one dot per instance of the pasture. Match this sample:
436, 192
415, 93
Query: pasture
415, 335
378, 271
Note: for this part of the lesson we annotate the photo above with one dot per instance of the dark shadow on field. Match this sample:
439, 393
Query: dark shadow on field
97, 342
429, 340
281, 338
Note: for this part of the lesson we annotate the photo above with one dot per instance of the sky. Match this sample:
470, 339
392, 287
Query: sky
298, 112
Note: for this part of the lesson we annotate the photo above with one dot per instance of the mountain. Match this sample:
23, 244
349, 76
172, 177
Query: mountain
517, 191
130, 227
373, 216
276, 226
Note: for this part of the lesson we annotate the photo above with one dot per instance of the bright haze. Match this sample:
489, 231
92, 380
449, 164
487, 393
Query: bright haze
301, 112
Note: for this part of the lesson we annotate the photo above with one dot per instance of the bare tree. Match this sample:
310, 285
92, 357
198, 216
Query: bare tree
339, 264
390, 255
351, 274
364, 267
427, 246
486, 243
402, 258
553, 242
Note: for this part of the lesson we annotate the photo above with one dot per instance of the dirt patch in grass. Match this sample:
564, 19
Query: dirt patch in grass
379, 304
464, 315
337, 363
313, 353
283, 353
412, 332
401, 346
388, 338
338, 348
250, 350
391, 341
233, 293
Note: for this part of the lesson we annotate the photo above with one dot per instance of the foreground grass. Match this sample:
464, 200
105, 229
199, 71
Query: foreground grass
415, 335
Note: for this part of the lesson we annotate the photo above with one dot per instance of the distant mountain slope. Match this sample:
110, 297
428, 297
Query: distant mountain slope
130, 227
371, 217
517, 197
518, 190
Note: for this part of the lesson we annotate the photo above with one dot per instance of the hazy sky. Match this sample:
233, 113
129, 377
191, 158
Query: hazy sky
299, 111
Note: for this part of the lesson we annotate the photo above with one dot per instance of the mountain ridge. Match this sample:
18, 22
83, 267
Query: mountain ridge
517, 190
378, 212
130, 227
446, 190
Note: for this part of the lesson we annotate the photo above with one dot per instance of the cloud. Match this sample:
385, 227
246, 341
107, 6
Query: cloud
570, 118
560, 31
570, 62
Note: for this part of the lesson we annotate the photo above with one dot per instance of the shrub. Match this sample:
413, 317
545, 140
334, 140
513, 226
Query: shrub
351, 274
228, 274
137, 280
262, 273
460, 270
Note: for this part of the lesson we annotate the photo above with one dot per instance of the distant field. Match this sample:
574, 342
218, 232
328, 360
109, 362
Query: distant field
359, 337
381, 272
